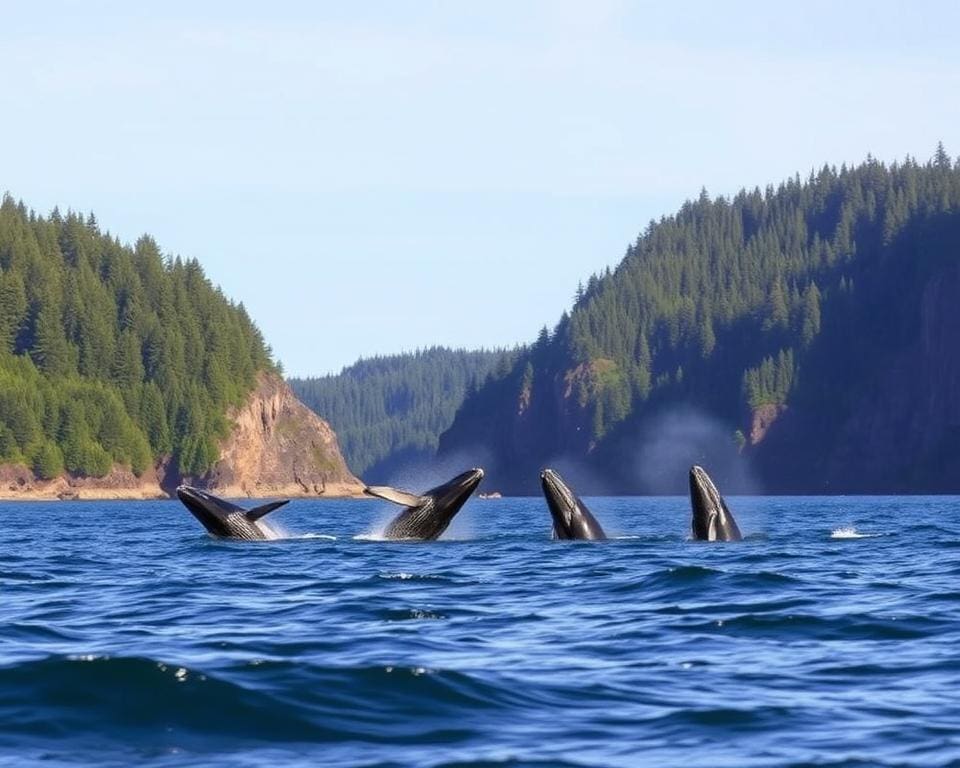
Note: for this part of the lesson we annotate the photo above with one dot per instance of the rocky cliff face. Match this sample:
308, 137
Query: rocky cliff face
895, 429
278, 447
902, 432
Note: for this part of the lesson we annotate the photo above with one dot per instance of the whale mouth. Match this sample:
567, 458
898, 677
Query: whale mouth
185, 492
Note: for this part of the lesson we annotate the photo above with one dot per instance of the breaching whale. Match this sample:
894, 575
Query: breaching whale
226, 520
712, 520
428, 514
571, 518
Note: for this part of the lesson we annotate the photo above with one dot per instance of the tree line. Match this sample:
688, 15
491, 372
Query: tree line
112, 354
383, 406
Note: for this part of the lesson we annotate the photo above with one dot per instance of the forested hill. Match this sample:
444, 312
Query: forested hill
390, 411
111, 354
802, 336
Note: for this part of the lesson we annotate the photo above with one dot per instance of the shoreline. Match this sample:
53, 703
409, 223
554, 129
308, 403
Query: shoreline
18, 483
158, 494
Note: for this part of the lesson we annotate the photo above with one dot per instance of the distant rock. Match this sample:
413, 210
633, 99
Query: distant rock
19, 482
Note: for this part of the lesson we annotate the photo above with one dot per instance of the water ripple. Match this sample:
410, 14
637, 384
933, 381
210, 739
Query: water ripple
127, 636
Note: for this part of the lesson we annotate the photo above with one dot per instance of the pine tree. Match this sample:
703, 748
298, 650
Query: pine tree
777, 313
810, 326
52, 352
48, 462
13, 309
707, 339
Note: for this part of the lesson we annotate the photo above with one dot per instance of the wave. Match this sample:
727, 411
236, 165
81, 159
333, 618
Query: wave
261, 700
792, 627
58, 696
130, 640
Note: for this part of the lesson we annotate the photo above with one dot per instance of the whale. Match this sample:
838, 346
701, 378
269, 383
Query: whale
427, 515
571, 518
712, 519
225, 520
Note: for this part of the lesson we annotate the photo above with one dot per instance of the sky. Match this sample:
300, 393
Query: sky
375, 177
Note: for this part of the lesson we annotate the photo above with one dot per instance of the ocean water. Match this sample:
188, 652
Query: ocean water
830, 636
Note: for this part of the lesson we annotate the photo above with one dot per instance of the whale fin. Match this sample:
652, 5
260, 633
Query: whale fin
395, 495
257, 512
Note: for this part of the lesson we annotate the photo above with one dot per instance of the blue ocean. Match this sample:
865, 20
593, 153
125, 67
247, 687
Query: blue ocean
829, 636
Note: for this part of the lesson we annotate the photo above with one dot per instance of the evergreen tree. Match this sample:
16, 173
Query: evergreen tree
94, 338
810, 326
398, 405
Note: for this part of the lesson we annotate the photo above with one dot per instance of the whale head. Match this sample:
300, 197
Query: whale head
571, 518
712, 519
453, 494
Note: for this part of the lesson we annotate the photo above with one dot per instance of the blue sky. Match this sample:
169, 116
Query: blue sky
373, 177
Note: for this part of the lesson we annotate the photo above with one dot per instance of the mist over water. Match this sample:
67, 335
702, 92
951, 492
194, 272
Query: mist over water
829, 636
680, 438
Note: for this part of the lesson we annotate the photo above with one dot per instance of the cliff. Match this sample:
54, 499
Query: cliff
278, 447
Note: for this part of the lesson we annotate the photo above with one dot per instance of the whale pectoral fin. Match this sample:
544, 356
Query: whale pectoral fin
395, 495
257, 512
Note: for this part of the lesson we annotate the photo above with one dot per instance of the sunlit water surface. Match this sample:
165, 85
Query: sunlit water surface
831, 636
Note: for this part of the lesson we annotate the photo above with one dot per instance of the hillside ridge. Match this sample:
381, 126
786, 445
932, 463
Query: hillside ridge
792, 338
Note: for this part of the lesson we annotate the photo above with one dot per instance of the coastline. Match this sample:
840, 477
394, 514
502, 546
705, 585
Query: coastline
18, 483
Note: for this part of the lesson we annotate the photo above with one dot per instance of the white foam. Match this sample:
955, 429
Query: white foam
850, 532
279, 533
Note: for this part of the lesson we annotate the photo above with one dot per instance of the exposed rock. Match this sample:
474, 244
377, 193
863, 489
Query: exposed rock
279, 447
901, 432
19, 482
762, 419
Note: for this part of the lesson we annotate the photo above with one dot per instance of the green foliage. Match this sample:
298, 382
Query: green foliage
770, 383
754, 266
110, 354
385, 405
810, 326
739, 439
48, 463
